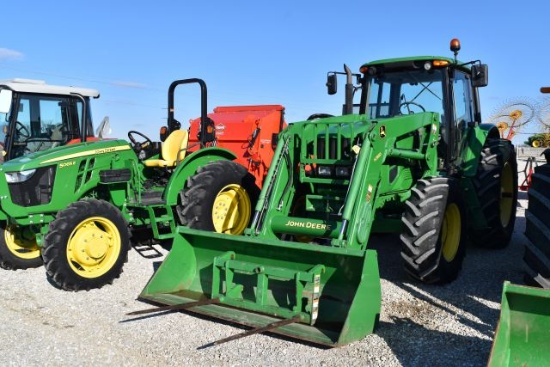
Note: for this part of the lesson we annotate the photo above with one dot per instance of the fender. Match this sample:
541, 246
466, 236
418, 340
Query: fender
188, 167
476, 140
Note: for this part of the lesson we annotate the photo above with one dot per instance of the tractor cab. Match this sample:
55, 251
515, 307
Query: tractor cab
36, 116
413, 85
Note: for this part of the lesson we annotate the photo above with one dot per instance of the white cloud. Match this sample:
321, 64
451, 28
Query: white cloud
6, 54
129, 84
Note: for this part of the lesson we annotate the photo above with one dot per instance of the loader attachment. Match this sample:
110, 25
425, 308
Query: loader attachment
330, 295
523, 330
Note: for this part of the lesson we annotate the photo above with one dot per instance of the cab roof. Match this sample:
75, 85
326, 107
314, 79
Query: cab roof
405, 62
40, 86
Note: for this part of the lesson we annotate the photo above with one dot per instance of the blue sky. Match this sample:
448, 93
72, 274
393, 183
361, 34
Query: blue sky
260, 52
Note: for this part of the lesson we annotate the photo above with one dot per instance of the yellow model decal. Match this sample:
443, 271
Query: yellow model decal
66, 164
88, 152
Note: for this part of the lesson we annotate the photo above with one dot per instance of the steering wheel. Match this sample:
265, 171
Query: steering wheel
21, 130
138, 147
408, 106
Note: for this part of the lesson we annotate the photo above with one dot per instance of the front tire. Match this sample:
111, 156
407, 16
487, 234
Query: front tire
86, 245
18, 249
496, 185
433, 246
220, 197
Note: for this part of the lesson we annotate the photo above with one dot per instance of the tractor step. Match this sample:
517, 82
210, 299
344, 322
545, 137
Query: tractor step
152, 198
148, 251
162, 221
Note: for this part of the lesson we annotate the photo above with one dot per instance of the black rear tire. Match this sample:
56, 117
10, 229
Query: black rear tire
537, 229
86, 245
433, 245
18, 250
496, 185
220, 197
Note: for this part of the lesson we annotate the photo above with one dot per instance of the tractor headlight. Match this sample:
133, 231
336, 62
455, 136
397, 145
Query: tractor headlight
20, 176
342, 172
324, 171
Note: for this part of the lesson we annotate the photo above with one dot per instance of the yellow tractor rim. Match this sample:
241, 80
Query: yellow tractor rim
231, 210
22, 248
450, 233
506, 194
93, 247
535, 143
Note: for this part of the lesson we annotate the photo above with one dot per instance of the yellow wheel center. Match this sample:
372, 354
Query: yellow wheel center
93, 247
450, 232
90, 244
23, 248
506, 194
231, 210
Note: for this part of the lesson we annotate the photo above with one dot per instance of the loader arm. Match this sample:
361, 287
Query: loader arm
332, 191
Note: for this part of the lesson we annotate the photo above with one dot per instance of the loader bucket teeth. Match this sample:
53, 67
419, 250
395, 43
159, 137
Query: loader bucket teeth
335, 293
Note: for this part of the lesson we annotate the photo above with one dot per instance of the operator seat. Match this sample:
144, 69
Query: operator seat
172, 151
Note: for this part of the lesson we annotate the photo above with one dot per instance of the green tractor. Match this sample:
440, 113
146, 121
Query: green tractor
37, 116
78, 208
414, 161
540, 140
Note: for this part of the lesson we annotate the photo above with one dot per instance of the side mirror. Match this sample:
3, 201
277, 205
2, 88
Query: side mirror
104, 128
5, 100
163, 133
332, 84
480, 75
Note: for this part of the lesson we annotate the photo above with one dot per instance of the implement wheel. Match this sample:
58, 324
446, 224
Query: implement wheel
433, 246
86, 246
220, 197
17, 249
496, 185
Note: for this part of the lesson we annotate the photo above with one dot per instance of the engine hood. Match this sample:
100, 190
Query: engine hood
64, 153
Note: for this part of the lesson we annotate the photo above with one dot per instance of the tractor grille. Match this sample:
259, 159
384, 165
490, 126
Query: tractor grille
35, 191
326, 152
337, 149
329, 144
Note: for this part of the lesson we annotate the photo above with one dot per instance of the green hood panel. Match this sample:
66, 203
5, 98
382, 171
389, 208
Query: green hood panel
64, 153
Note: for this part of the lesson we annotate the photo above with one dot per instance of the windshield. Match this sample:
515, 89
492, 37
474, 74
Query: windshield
405, 92
44, 122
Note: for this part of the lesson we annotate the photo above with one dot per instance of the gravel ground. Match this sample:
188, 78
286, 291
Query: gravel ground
420, 325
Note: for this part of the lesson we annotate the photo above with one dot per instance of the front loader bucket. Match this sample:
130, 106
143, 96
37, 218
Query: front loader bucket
523, 330
334, 294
